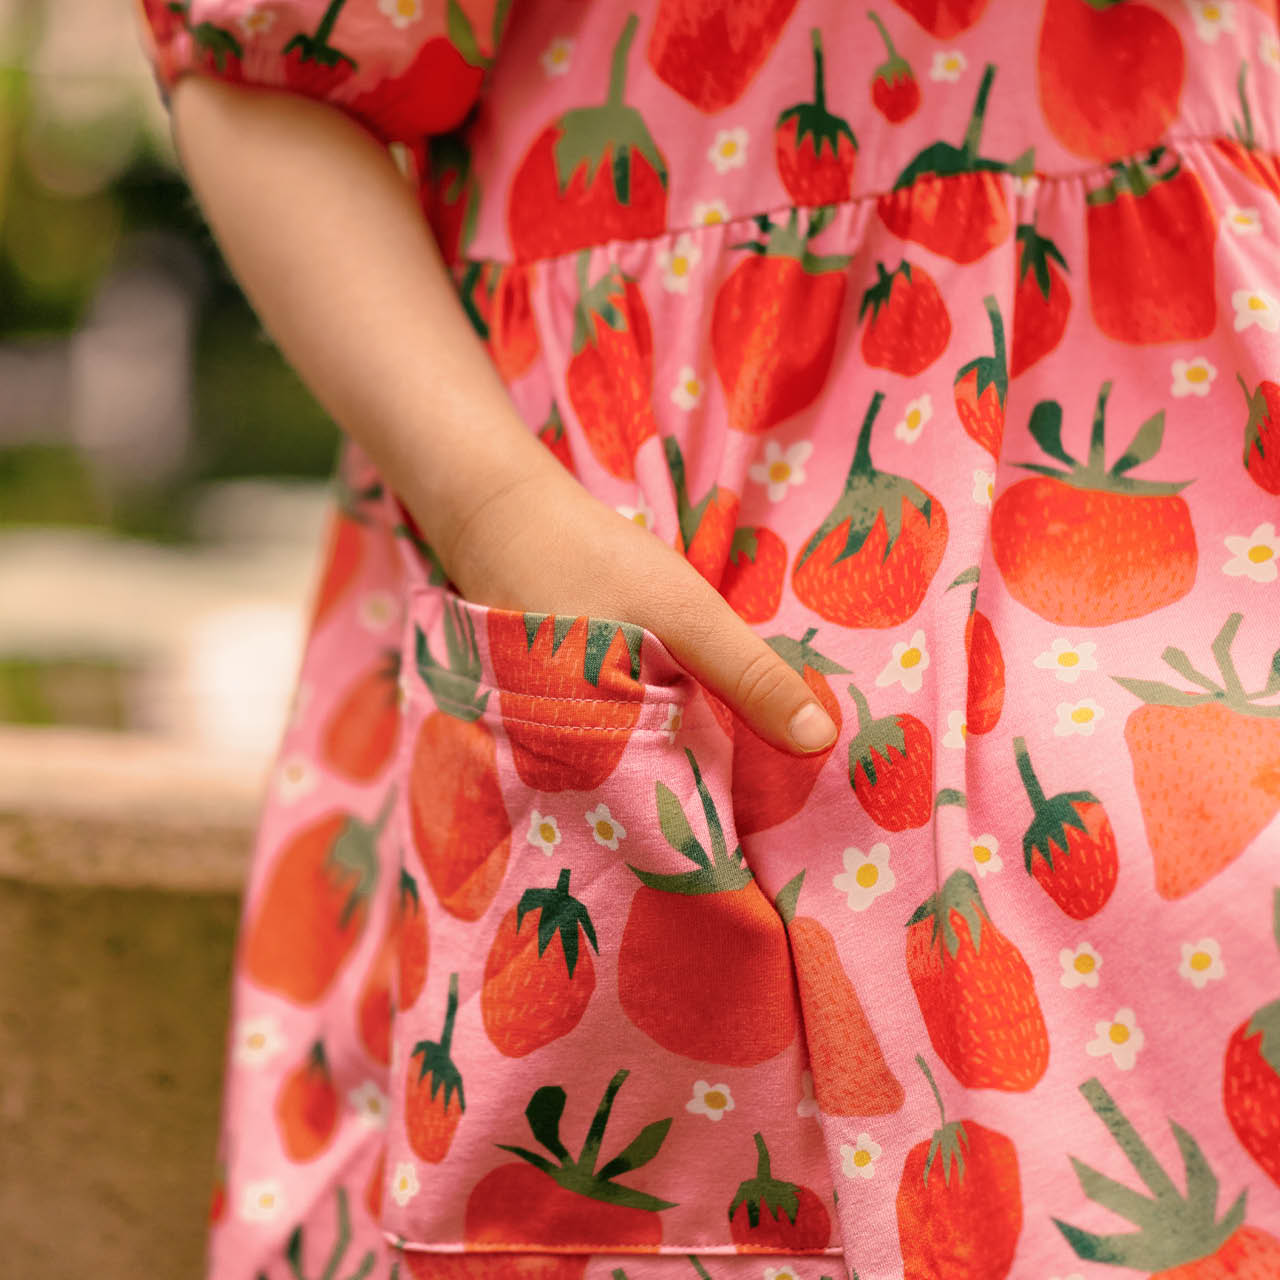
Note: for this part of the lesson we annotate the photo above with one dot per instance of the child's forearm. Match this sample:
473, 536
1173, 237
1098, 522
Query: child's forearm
331, 248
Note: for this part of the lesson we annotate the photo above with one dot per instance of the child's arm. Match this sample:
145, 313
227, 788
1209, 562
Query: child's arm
332, 250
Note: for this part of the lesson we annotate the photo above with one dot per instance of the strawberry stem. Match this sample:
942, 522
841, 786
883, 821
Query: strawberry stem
861, 465
1029, 780
862, 706
618, 63
699, 1268
450, 1013
973, 134
819, 79
933, 1084
1221, 650
894, 55
1244, 128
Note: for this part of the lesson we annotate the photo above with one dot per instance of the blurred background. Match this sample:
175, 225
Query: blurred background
163, 487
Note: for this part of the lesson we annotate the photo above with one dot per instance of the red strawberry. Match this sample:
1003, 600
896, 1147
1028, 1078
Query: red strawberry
1042, 301
768, 1215
976, 992
894, 88
949, 198
1151, 240
1262, 435
870, 562
771, 785
373, 1010
1179, 1235
1088, 545
457, 817
535, 992
433, 1101
216, 51
411, 943
373, 1188
1087, 60
306, 1107
708, 51
982, 387
891, 767
593, 174
360, 734
773, 325
1071, 833
218, 1195
959, 1201
312, 66
712, 918
909, 326
552, 434
496, 299
704, 530
801, 136
1251, 1079
944, 18
546, 1202
610, 375
984, 698
345, 548
453, 194
1261, 167
753, 577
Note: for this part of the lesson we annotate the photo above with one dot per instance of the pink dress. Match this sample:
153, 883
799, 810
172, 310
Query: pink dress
944, 339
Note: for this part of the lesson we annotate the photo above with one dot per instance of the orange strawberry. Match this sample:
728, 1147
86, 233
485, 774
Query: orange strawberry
779, 1217
712, 919
1088, 545
313, 909
771, 785
1071, 832
344, 549
373, 1009
984, 697
850, 1075
534, 993
1042, 302
891, 767
432, 1088
457, 817
704, 530
307, 1107
753, 576
1262, 435
870, 562
982, 387
411, 943
373, 1188
513, 333
541, 1203
960, 1215
1206, 765
1179, 1235
360, 734
1251, 1078
976, 992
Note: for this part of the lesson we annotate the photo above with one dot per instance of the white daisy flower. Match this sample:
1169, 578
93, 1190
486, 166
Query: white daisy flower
1080, 965
859, 1159
1077, 718
729, 150
404, 1183
262, 1201
370, 1105
1212, 18
557, 56
984, 488
781, 467
255, 1041
710, 1100
673, 723
296, 777
687, 393
401, 12
1244, 222
710, 213
1201, 962
865, 876
1120, 1039
1254, 556
378, 610
641, 513
544, 832
808, 1104
948, 65
914, 417
1192, 377
1025, 185
257, 22
605, 827
1067, 660
1269, 49
1255, 307
907, 665
784, 1272
957, 731
677, 263
986, 855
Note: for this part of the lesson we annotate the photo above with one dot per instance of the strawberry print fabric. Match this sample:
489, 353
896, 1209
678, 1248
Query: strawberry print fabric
942, 339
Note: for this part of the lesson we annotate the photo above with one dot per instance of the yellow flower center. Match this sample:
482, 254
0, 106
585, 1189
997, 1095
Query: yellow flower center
1068, 659
1119, 1033
1082, 715
867, 875
546, 832
680, 265
266, 1200
402, 1183
715, 1099
604, 829
559, 53
1197, 373
861, 1158
1256, 303
779, 472
693, 388
1084, 963
711, 217
1211, 13
728, 148
407, 8
951, 63
910, 658
981, 853
1200, 961
1260, 553
913, 420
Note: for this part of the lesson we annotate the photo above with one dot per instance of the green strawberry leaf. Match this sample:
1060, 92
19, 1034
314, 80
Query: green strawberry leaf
558, 914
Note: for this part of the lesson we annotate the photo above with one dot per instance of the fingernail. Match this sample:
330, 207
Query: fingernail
811, 728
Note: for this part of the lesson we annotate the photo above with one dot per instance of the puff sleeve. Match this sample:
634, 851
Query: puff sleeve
402, 68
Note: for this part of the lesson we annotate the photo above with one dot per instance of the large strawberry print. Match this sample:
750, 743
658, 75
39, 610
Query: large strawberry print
357, 739
538, 978
1042, 301
346, 547
433, 1097
610, 373
1151, 231
982, 387
891, 767
1260, 166
1251, 1078
571, 694
1178, 1234
769, 1215
909, 327
314, 906
815, 150
895, 91
708, 51
771, 785
457, 816
711, 919
774, 322
1110, 75
593, 174
306, 1107
949, 198
1262, 435
313, 66
1206, 764
976, 992
756, 569
495, 297
704, 529
850, 1074
984, 690
944, 18
1069, 847
546, 1200
959, 1201
1084, 544
870, 562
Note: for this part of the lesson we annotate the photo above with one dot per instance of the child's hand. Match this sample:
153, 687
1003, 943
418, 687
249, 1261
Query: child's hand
547, 545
